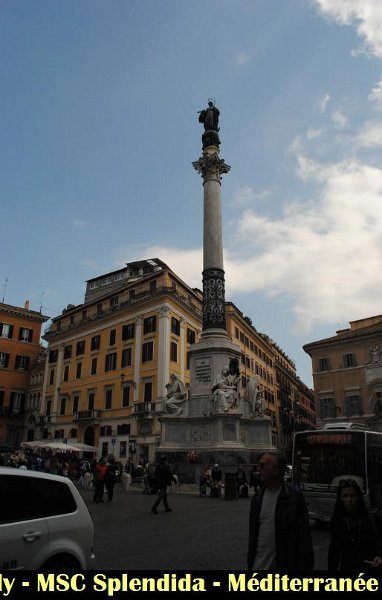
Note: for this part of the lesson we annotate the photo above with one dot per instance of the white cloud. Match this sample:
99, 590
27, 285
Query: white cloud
366, 15
370, 135
323, 102
242, 58
376, 94
312, 134
323, 256
339, 120
248, 195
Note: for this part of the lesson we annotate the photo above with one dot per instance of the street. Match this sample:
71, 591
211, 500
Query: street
200, 533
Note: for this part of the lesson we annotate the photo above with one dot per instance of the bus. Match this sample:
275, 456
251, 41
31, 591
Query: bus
321, 458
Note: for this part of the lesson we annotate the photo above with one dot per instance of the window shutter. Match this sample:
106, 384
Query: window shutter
30, 335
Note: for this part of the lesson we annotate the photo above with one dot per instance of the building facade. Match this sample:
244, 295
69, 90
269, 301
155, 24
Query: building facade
110, 359
20, 330
347, 374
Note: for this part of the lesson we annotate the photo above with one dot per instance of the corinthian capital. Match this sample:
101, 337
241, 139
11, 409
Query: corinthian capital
211, 165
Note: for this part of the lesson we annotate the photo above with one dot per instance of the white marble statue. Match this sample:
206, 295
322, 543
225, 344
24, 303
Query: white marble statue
176, 395
225, 391
254, 395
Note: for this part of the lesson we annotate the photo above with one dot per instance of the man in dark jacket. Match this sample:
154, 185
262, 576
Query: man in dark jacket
162, 477
279, 532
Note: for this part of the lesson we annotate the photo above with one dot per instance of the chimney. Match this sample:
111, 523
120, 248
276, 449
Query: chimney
26, 305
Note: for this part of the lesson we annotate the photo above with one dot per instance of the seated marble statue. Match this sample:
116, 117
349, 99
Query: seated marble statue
176, 394
254, 395
225, 391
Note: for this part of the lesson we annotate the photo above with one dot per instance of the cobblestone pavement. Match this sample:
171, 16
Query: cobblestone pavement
199, 534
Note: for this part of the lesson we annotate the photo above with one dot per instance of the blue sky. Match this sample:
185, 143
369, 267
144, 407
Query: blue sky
98, 120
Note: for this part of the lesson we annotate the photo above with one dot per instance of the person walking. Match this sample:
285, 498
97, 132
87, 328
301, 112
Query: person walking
279, 532
355, 540
99, 480
110, 477
163, 477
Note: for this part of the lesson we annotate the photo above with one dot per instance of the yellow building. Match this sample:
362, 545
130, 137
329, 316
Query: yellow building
347, 374
110, 359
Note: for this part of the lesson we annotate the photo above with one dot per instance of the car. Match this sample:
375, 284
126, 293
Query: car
45, 524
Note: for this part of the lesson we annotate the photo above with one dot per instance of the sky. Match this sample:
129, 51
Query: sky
99, 129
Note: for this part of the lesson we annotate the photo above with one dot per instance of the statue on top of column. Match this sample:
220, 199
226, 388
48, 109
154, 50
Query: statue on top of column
210, 118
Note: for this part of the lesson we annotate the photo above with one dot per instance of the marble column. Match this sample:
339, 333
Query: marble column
211, 168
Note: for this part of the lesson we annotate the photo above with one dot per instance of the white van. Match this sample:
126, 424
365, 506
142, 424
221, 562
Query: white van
44, 523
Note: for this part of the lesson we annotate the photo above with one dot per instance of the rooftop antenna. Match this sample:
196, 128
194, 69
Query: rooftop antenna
42, 293
5, 288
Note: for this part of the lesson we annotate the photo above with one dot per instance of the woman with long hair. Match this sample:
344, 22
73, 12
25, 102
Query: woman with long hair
355, 541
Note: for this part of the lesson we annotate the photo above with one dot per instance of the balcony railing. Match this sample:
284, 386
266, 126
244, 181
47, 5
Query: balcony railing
146, 408
87, 415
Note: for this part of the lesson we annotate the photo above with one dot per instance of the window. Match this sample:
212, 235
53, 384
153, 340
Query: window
71, 321
66, 373
51, 377
323, 364
174, 352
112, 337
108, 398
126, 396
111, 361
62, 406
48, 407
68, 352
149, 324
131, 294
122, 449
353, 405
6, 331
96, 342
148, 391
78, 370
114, 301
46, 498
153, 285
128, 331
17, 402
99, 308
53, 354
80, 347
327, 408
349, 360
76, 401
1, 398
190, 336
175, 326
147, 351
93, 370
236, 333
22, 362
126, 358
25, 334
91, 397
4, 359
84, 315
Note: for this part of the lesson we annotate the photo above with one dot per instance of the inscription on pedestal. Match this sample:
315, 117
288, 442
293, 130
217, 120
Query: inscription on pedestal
202, 370
229, 432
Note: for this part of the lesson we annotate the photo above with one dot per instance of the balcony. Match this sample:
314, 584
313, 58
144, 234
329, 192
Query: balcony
87, 415
146, 409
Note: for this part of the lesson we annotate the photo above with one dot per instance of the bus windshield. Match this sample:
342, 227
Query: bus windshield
322, 458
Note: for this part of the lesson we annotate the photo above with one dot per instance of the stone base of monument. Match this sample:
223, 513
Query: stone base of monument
194, 443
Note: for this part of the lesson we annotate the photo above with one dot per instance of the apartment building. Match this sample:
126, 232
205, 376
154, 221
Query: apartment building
20, 330
347, 373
